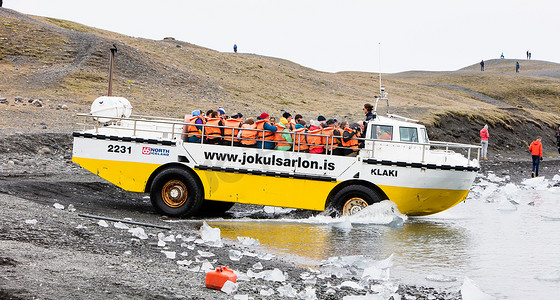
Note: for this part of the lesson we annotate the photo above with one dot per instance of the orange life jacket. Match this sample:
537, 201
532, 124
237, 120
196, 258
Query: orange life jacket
329, 139
230, 124
192, 130
352, 143
314, 141
213, 132
248, 136
279, 139
268, 135
300, 140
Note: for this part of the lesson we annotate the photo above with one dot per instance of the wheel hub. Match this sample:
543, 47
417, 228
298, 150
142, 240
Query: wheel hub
353, 205
174, 193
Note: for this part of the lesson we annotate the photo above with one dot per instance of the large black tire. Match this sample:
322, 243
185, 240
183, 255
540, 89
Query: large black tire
175, 193
353, 198
213, 208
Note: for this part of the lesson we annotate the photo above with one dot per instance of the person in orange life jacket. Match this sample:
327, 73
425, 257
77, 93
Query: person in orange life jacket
269, 129
330, 139
273, 121
484, 142
313, 137
213, 135
382, 134
300, 138
195, 131
282, 137
297, 118
208, 114
536, 155
350, 138
234, 122
222, 113
248, 137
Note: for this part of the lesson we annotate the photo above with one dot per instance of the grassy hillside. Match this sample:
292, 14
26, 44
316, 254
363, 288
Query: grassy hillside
66, 63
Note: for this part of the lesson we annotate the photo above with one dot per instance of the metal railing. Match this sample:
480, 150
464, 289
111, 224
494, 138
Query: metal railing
332, 142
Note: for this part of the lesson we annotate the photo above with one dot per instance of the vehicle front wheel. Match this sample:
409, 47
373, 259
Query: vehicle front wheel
175, 192
353, 198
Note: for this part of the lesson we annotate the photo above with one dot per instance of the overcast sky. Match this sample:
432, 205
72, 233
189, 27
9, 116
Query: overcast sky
328, 35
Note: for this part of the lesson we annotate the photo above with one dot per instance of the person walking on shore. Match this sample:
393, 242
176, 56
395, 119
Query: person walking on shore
558, 139
536, 154
234, 48
516, 67
484, 142
482, 65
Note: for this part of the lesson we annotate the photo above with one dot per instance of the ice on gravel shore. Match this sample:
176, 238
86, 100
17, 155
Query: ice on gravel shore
287, 291
58, 206
210, 235
138, 232
470, 291
169, 254
31, 222
229, 287
441, 278
121, 225
266, 293
270, 275
205, 254
235, 255
273, 210
102, 223
258, 266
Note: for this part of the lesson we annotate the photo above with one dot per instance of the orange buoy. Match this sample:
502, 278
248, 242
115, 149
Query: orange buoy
216, 279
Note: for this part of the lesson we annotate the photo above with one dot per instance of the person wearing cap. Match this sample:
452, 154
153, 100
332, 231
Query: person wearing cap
283, 137
350, 135
212, 133
194, 132
322, 121
266, 132
221, 114
230, 133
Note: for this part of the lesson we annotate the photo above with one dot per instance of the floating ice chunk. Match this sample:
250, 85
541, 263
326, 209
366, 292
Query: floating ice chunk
469, 291
205, 254
266, 256
506, 205
169, 254
210, 235
32, 222
71, 208
350, 284
58, 206
258, 266
266, 293
248, 241
552, 276
121, 225
102, 223
384, 213
184, 262
138, 232
441, 278
235, 255
287, 291
229, 287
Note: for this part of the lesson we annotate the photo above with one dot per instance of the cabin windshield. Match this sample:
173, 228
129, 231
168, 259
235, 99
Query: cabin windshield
382, 132
424, 136
409, 134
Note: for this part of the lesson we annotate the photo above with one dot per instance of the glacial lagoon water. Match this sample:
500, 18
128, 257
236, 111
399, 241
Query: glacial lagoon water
505, 237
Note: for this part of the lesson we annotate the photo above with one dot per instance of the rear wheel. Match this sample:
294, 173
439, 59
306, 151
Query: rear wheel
353, 198
175, 192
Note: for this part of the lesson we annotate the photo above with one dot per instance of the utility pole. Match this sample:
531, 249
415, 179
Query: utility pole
112, 58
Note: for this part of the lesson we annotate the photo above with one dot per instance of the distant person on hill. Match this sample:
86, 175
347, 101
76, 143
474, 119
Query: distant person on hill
527, 54
482, 65
516, 67
536, 154
234, 48
558, 139
502, 56
484, 142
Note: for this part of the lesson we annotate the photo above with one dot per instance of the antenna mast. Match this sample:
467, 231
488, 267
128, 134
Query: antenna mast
382, 93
